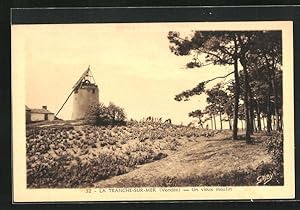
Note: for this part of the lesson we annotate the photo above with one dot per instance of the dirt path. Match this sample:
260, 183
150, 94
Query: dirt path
206, 156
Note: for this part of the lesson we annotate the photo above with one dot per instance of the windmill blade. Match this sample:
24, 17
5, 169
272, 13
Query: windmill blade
65, 102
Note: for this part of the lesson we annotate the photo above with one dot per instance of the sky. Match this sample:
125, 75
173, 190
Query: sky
131, 63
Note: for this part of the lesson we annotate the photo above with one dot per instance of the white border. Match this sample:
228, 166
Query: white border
22, 194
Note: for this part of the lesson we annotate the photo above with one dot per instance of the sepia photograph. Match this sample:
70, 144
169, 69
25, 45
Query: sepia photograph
192, 110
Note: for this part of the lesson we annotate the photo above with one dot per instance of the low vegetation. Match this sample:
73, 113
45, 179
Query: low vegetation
77, 156
238, 177
218, 161
274, 144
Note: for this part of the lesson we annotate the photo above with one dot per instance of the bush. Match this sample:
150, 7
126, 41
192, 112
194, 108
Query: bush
99, 114
274, 145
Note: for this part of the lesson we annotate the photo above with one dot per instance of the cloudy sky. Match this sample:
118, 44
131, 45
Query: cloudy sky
131, 63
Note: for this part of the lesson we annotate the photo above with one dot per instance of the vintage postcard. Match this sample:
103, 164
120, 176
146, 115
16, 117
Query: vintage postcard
153, 111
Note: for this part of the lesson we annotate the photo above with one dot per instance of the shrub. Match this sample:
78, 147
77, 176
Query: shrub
99, 114
116, 114
53, 162
274, 145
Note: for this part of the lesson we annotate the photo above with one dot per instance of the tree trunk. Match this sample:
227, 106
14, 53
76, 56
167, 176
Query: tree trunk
211, 122
242, 125
247, 111
229, 121
264, 124
251, 112
236, 100
243, 62
281, 122
258, 117
221, 121
215, 122
254, 125
269, 111
277, 126
200, 122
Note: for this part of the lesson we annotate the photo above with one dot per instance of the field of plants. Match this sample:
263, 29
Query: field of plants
61, 156
216, 161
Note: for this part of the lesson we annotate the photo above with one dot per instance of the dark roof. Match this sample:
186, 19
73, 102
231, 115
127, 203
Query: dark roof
40, 111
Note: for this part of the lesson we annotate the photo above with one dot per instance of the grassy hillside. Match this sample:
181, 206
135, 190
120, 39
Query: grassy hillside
78, 156
216, 161
74, 156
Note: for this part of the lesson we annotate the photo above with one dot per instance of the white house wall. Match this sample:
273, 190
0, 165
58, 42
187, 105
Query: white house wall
37, 117
50, 117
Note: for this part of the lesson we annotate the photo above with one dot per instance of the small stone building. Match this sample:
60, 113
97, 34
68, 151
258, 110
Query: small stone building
38, 115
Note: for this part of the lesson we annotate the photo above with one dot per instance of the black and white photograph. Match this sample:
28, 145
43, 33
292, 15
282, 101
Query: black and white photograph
203, 110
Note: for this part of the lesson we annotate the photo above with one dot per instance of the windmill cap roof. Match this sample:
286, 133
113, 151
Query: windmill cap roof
87, 75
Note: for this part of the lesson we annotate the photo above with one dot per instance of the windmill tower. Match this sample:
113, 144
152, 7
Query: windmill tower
86, 93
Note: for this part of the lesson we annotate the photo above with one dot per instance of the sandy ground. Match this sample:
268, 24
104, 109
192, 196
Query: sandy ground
206, 156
